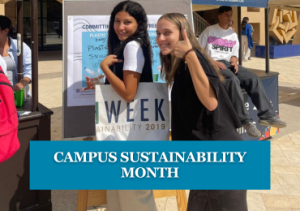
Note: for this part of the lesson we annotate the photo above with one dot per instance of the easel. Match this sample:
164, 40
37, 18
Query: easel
88, 198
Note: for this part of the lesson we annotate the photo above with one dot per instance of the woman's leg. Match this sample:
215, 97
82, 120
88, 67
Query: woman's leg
233, 200
244, 47
219, 200
198, 201
248, 52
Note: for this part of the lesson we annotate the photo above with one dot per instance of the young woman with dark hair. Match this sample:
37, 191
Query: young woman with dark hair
129, 60
128, 63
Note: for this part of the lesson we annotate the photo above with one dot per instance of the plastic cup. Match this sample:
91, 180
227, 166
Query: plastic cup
155, 77
18, 95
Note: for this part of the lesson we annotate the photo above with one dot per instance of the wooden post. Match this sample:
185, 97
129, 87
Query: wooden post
240, 35
20, 31
82, 200
34, 54
267, 43
181, 200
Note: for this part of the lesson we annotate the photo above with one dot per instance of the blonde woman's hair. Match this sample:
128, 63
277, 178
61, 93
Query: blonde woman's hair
169, 63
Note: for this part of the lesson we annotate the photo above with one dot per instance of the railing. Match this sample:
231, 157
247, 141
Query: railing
199, 24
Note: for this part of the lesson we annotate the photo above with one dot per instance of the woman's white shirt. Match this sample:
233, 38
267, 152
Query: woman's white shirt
3, 65
134, 59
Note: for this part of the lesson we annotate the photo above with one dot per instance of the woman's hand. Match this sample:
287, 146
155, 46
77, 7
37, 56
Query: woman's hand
18, 86
21, 85
182, 46
109, 61
90, 82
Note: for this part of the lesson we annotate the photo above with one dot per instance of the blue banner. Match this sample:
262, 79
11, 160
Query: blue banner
238, 3
103, 165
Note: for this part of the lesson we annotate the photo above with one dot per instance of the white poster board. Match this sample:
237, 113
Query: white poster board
145, 118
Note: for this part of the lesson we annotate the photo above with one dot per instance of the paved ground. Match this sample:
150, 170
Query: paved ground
285, 153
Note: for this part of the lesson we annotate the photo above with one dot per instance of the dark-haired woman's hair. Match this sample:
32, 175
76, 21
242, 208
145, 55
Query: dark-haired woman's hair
135, 10
246, 18
5, 23
244, 23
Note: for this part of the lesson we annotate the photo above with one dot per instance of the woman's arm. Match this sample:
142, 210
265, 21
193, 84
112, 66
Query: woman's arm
26, 69
126, 88
204, 89
132, 68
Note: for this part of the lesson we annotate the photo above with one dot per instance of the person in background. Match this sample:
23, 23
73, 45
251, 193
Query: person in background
252, 31
8, 51
222, 45
247, 41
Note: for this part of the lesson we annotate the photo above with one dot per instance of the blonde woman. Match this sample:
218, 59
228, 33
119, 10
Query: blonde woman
201, 109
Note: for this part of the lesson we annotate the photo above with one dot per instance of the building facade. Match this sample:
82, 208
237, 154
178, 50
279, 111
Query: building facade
49, 20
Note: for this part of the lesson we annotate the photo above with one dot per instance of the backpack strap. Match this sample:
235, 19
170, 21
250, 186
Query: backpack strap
6, 84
